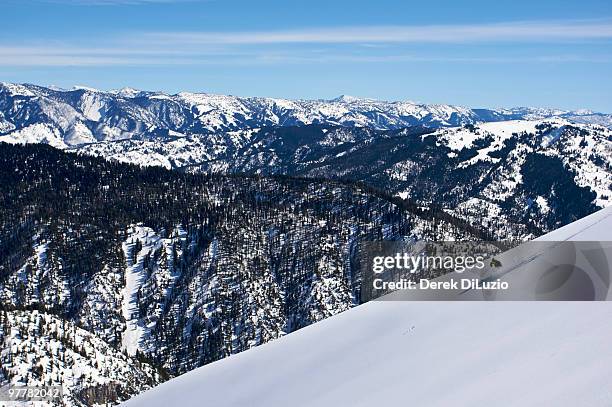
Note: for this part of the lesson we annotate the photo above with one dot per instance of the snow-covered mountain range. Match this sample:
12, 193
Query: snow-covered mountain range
164, 271
479, 164
483, 171
83, 115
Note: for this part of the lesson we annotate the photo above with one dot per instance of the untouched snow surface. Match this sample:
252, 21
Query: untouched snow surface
395, 353
421, 354
595, 227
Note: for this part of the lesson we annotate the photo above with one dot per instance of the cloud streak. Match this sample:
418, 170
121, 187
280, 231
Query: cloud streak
329, 45
525, 31
26, 58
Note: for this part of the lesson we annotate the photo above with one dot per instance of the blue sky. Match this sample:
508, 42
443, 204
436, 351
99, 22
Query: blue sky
473, 53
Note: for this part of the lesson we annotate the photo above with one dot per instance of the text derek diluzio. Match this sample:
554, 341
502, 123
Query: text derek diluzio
452, 284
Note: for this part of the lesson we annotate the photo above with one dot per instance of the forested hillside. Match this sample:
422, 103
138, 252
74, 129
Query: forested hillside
165, 271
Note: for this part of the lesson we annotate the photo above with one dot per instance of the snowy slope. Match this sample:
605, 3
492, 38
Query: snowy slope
134, 279
597, 226
423, 353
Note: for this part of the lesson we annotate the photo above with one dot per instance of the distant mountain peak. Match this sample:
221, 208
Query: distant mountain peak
127, 92
16, 89
584, 112
347, 99
87, 88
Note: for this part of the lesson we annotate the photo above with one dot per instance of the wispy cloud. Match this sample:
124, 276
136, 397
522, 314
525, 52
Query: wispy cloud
107, 56
329, 45
511, 31
28, 57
